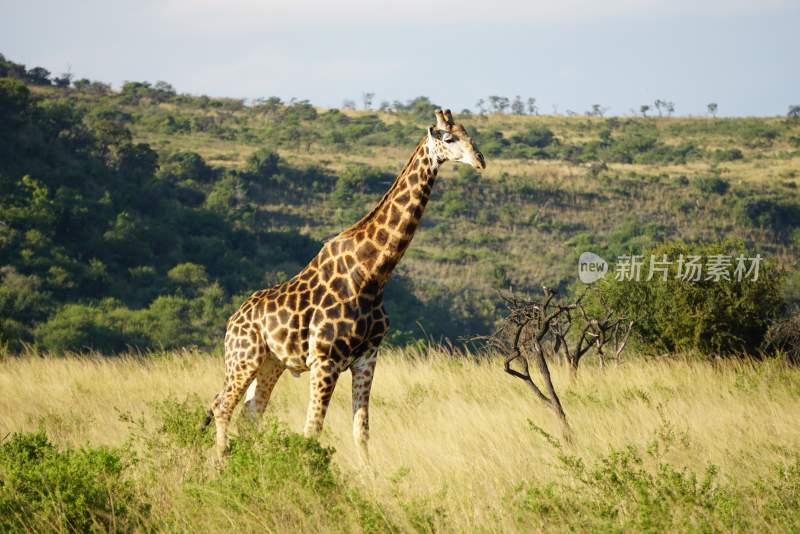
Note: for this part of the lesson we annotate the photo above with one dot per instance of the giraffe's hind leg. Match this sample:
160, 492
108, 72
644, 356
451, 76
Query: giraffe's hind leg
363, 371
259, 392
242, 363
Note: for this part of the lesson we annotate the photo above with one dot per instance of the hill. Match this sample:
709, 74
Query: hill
142, 217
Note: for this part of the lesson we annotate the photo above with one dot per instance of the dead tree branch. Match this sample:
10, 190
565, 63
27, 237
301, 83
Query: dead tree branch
534, 329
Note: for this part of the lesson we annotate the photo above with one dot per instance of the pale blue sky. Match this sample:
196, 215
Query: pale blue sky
743, 54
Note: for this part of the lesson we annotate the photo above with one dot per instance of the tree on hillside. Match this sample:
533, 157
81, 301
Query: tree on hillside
64, 80
162, 91
366, 99
9, 69
348, 104
643, 109
481, 105
532, 109
38, 76
517, 106
597, 111
712, 109
499, 103
670, 108
99, 88
794, 112
82, 84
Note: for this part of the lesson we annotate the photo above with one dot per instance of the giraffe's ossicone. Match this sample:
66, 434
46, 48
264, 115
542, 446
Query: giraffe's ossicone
330, 317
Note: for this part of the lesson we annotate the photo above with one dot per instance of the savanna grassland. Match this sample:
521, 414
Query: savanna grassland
134, 222
678, 444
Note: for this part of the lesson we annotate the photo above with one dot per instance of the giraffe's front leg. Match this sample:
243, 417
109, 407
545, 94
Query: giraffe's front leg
323, 380
363, 371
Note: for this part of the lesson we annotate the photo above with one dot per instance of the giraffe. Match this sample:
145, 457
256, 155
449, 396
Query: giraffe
330, 316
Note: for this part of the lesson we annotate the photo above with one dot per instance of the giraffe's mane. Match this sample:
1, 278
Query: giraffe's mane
363, 221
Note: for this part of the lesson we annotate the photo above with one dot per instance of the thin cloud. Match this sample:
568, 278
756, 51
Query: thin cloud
254, 15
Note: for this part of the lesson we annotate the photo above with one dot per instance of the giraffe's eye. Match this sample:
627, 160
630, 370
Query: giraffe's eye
448, 138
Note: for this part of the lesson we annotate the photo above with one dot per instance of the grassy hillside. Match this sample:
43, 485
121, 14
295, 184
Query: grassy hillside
457, 445
555, 187
142, 217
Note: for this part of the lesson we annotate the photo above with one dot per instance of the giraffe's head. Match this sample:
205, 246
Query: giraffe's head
451, 142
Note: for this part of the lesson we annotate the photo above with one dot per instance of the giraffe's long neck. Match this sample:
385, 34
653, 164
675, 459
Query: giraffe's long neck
383, 235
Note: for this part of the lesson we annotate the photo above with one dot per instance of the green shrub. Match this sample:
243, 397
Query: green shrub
189, 277
781, 216
284, 479
43, 488
356, 181
79, 327
712, 184
722, 316
182, 166
261, 165
727, 154
631, 490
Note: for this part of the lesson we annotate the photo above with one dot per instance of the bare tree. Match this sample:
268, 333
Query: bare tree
659, 105
538, 330
521, 337
785, 336
481, 105
532, 108
608, 331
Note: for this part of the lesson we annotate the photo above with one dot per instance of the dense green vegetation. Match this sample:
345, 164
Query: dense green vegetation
141, 218
711, 315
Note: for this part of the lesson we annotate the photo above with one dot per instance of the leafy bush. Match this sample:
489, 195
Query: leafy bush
43, 488
635, 490
80, 327
778, 215
22, 302
757, 134
712, 184
727, 154
722, 316
261, 165
286, 480
182, 166
359, 180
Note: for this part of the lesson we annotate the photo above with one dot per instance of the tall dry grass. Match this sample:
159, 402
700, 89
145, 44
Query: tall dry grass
456, 430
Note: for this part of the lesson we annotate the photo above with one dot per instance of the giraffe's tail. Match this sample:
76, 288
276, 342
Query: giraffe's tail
209, 414
207, 420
